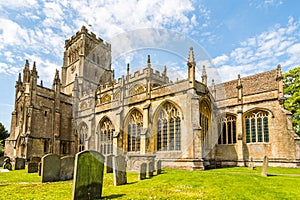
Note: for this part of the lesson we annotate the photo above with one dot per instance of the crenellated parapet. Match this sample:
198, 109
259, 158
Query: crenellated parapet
82, 44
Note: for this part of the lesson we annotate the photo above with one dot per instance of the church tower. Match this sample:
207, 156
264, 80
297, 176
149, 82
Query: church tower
89, 58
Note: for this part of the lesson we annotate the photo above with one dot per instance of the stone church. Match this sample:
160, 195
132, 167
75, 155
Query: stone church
145, 116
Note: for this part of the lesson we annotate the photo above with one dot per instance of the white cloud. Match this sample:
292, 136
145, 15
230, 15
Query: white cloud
220, 60
40, 27
264, 51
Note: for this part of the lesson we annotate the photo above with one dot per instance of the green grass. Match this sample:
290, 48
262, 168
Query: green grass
224, 183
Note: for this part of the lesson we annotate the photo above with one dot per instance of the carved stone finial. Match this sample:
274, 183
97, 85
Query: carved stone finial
128, 68
149, 61
191, 59
204, 75
165, 70
83, 29
239, 82
279, 73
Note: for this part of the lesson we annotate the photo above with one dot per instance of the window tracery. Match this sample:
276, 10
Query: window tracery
257, 127
134, 129
169, 128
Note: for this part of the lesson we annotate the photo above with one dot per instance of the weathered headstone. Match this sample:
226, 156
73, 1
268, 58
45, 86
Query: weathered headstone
40, 168
66, 168
50, 168
35, 159
158, 167
119, 165
265, 166
143, 169
88, 175
109, 164
150, 169
2, 160
251, 164
7, 164
32, 167
19, 163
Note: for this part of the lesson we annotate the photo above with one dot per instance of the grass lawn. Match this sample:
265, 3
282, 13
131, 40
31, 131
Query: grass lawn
224, 183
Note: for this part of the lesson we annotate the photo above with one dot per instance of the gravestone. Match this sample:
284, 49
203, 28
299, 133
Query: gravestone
158, 167
143, 169
66, 168
265, 166
35, 159
32, 167
119, 165
50, 170
88, 175
40, 168
2, 160
109, 164
19, 163
150, 169
251, 164
7, 164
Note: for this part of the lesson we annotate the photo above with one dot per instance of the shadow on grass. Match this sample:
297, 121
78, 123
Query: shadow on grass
113, 196
3, 185
272, 174
131, 183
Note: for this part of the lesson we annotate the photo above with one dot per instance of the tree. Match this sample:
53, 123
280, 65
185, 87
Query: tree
291, 84
3, 134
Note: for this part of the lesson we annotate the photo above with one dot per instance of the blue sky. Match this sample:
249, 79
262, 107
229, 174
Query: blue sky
240, 36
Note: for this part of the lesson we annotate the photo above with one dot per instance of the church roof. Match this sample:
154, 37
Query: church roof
253, 84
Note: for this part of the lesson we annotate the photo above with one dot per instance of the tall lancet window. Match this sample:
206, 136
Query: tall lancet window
83, 131
205, 116
134, 130
106, 136
169, 128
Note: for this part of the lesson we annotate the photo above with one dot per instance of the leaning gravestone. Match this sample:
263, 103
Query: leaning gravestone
7, 164
143, 169
66, 168
119, 165
265, 166
50, 170
150, 169
19, 163
32, 167
109, 165
158, 167
88, 175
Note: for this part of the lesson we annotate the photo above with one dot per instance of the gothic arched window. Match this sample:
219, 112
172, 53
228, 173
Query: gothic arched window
205, 116
169, 128
134, 130
106, 136
82, 137
257, 127
227, 130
